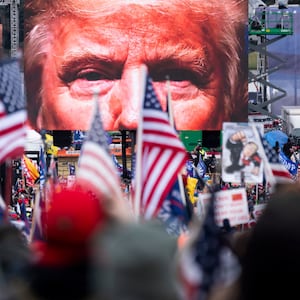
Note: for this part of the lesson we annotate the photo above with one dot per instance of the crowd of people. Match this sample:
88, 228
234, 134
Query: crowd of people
79, 248
88, 253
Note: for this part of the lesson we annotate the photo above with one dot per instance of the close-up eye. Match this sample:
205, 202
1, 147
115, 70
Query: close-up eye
181, 77
89, 70
86, 74
82, 79
91, 75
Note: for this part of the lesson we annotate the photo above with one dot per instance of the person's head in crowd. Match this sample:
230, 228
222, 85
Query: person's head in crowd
15, 258
134, 261
74, 47
73, 216
61, 262
271, 259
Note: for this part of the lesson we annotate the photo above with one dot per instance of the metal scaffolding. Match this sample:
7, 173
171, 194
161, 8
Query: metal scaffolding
267, 26
14, 6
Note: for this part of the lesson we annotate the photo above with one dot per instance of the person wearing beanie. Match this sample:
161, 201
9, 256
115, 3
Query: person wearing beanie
134, 261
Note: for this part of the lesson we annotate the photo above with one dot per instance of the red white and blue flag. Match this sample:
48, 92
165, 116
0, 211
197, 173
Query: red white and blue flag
13, 114
162, 156
95, 165
207, 261
275, 171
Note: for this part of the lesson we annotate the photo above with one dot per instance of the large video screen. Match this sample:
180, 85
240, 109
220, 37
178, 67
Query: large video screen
78, 52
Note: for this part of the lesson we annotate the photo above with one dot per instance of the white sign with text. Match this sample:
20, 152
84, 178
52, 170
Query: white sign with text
230, 204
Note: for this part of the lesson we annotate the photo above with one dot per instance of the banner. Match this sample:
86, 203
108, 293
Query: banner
241, 158
291, 166
230, 204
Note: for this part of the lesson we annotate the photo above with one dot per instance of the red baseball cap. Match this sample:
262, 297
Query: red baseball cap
73, 216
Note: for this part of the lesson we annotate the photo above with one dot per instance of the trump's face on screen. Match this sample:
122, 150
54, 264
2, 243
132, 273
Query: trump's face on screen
79, 46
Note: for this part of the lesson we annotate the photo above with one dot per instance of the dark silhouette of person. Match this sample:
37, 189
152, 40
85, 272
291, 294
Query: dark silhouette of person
277, 147
287, 148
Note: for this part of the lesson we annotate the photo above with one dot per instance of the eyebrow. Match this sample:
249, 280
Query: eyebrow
198, 60
78, 60
178, 56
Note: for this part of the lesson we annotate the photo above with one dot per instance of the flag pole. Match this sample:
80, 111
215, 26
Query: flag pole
138, 167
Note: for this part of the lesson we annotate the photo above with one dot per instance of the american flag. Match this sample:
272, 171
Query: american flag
275, 171
162, 155
207, 261
13, 114
95, 165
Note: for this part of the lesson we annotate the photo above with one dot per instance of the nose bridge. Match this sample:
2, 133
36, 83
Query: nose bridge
131, 93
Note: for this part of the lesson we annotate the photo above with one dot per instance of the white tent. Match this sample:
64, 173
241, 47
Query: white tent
33, 141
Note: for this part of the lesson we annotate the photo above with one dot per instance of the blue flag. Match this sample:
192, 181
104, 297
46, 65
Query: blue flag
24, 217
42, 168
200, 169
173, 212
72, 169
291, 166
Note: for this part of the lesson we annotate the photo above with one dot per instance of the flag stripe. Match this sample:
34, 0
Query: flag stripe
13, 121
152, 200
13, 145
164, 172
163, 155
96, 166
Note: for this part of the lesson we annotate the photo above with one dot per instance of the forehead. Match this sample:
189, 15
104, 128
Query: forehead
170, 7
139, 18
136, 29
142, 18
109, 4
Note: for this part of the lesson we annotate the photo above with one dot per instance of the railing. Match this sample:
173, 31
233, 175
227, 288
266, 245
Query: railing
271, 22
